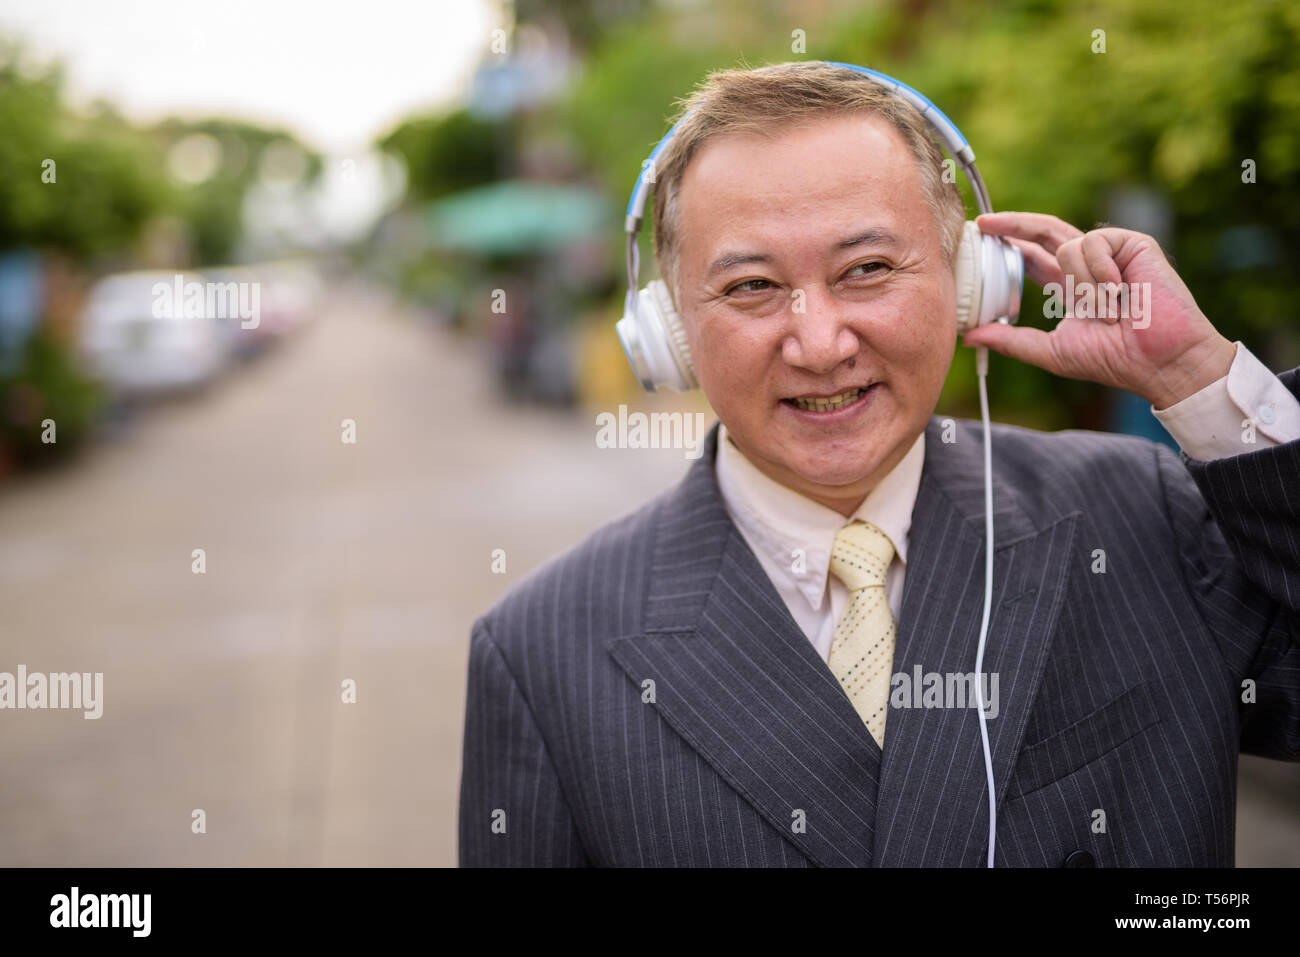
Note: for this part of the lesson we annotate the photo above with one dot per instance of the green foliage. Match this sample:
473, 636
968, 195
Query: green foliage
446, 153
46, 385
585, 21
108, 180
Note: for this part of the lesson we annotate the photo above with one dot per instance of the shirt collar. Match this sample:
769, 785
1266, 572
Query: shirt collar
779, 521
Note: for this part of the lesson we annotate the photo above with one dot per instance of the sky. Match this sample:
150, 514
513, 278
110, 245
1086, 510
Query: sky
335, 72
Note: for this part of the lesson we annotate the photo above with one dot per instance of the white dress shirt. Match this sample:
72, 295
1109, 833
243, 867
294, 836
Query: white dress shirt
792, 535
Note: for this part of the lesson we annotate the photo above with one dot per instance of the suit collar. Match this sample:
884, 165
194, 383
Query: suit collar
777, 521
694, 516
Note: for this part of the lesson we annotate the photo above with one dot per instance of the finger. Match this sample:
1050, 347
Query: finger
1017, 342
1048, 231
1125, 244
1040, 265
1098, 253
1073, 264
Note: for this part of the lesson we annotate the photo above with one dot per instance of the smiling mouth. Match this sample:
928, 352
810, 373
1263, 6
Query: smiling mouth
827, 403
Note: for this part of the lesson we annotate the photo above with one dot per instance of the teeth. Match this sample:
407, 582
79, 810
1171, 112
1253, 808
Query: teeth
828, 404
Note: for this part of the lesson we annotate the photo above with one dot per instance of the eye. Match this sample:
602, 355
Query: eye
871, 267
751, 284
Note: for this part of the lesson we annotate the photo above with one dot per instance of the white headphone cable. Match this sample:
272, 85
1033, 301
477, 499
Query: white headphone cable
982, 369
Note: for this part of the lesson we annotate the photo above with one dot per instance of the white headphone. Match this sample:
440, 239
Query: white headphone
989, 271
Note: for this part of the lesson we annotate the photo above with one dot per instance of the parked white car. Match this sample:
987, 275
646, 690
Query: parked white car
138, 337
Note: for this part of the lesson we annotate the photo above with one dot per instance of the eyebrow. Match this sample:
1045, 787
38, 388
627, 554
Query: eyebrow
873, 236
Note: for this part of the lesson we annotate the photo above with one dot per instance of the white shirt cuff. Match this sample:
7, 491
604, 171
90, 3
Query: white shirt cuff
1247, 409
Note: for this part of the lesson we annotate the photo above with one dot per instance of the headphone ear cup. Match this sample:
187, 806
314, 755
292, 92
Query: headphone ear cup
654, 340
1003, 284
674, 329
969, 271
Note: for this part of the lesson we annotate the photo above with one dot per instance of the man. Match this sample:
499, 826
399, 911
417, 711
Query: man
737, 674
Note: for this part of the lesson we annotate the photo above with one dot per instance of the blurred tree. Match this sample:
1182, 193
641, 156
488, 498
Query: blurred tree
448, 152
584, 21
83, 185
213, 207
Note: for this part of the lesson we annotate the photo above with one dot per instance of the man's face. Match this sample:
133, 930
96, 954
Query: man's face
811, 267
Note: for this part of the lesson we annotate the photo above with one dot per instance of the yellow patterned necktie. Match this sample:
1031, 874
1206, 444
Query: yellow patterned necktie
862, 652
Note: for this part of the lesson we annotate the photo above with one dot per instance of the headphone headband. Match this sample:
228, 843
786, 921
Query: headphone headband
944, 128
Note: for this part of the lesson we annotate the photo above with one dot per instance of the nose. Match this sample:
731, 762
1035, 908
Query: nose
820, 337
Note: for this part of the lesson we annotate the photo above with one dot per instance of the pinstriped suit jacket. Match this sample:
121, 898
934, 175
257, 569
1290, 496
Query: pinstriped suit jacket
1120, 691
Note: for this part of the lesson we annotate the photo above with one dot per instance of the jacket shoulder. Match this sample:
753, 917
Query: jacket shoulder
1054, 473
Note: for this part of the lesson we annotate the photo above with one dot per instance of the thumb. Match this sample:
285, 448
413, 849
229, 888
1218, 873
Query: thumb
1017, 342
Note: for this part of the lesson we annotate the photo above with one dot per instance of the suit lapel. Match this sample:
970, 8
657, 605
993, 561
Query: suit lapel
740, 682
933, 807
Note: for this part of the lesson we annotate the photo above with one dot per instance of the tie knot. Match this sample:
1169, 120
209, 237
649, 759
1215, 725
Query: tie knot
861, 555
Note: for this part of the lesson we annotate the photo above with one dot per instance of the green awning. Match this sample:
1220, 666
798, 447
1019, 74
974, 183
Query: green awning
517, 216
